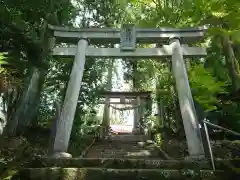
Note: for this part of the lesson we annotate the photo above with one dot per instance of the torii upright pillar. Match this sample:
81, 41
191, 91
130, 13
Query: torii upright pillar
136, 122
64, 125
190, 122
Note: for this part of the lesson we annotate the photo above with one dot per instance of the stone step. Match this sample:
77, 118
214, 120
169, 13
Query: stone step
123, 151
129, 138
130, 163
121, 144
117, 145
116, 174
132, 155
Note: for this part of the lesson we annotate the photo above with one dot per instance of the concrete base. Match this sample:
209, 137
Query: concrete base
61, 155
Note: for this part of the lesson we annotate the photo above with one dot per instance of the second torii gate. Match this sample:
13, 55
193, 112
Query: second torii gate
128, 97
127, 37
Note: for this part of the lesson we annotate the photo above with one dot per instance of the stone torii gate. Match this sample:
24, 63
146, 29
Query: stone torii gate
127, 37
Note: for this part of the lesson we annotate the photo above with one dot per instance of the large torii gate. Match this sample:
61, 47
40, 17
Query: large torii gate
127, 37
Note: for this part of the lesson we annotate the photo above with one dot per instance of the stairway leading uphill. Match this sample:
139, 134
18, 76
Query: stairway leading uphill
124, 146
128, 157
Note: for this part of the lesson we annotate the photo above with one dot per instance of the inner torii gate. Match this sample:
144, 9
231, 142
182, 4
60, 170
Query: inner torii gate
127, 37
127, 97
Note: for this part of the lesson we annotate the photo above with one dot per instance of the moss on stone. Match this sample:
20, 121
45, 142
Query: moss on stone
131, 163
111, 174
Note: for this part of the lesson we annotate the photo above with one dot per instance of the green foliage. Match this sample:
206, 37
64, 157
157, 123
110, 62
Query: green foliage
2, 62
24, 32
2, 58
205, 87
207, 80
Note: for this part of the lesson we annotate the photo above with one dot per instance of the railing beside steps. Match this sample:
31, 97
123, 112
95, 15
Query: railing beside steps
205, 126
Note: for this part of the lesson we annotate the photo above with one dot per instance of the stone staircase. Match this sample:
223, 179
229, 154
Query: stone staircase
127, 169
129, 157
124, 146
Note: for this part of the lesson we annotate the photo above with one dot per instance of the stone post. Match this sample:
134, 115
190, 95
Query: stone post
64, 125
136, 115
190, 122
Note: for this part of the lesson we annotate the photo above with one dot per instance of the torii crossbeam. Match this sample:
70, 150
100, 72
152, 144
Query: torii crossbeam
113, 35
153, 53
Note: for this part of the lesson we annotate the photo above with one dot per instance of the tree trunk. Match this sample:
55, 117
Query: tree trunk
231, 62
136, 87
28, 104
106, 113
136, 84
160, 106
54, 127
178, 124
9, 100
160, 102
3, 117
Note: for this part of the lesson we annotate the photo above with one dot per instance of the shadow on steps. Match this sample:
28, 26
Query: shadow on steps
119, 147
